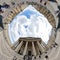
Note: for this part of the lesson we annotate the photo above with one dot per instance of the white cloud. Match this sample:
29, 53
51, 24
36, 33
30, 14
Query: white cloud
35, 26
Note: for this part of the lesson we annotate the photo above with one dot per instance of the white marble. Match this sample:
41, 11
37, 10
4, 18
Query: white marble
29, 23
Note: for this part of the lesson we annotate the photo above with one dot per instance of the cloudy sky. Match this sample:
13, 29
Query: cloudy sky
29, 23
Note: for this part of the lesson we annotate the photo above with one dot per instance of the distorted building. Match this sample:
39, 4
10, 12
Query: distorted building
29, 30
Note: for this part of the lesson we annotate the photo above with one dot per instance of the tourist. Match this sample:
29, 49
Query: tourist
53, 1
45, 3
44, 0
5, 5
40, 1
46, 56
1, 9
13, 3
0, 6
58, 12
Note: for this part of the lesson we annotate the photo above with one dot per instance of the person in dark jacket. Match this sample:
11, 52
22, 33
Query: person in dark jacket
1, 9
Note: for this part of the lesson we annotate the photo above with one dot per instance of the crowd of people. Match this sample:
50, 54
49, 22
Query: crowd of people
3, 6
47, 1
58, 12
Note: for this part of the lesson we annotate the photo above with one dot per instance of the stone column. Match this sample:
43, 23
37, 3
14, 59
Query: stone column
19, 46
16, 10
25, 49
40, 47
33, 49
